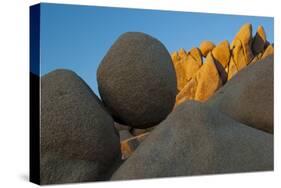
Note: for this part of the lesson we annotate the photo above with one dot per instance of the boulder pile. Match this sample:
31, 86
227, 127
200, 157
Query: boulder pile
228, 59
206, 111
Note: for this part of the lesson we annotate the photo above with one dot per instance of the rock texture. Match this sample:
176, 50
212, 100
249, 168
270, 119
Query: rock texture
78, 139
186, 64
137, 80
268, 51
232, 69
203, 84
129, 145
201, 140
259, 41
248, 97
137, 132
124, 135
192, 62
121, 127
221, 53
206, 47
244, 36
229, 60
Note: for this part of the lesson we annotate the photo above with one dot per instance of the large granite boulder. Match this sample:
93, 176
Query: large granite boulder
78, 140
248, 97
196, 139
137, 80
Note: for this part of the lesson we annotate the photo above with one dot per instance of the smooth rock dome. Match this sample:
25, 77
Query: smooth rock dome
78, 139
137, 80
194, 140
248, 97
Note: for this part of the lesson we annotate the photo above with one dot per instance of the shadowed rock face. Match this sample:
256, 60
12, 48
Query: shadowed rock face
248, 97
259, 41
196, 139
78, 140
137, 80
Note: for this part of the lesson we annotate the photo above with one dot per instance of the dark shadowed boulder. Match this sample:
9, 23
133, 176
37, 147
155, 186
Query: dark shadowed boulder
78, 139
194, 140
248, 97
137, 80
259, 41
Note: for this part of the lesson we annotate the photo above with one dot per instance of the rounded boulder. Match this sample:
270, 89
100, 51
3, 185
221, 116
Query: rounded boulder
78, 141
137, 80
196, 139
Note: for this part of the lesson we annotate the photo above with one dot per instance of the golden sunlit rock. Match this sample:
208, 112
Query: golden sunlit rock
206, 46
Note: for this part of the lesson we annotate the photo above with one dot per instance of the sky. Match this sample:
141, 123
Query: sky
77, 37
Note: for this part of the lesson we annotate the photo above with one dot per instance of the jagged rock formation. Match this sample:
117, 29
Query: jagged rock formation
203, 84
229, 59
186, 64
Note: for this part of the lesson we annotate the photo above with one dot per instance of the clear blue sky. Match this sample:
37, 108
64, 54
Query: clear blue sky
77, 37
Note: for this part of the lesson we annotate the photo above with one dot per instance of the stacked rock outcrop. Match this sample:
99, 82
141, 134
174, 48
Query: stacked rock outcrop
136, 131
229, 59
